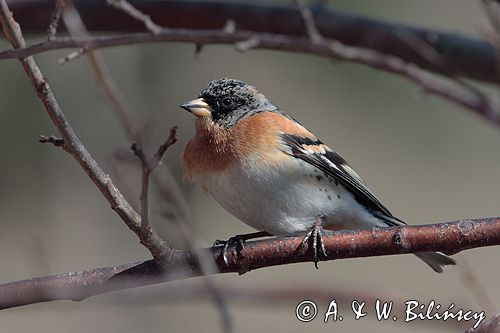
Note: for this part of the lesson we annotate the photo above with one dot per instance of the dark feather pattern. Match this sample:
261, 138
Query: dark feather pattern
335, 166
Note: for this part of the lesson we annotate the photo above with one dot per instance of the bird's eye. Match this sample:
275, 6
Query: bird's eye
227, 101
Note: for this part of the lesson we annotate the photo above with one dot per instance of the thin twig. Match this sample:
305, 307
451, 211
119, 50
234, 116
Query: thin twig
54, 20
171, 139
146, 228
101, 72
310, 24
148, 165
473, 283
58, 142
130, 10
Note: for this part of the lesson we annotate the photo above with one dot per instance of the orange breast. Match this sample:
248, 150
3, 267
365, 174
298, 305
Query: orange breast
210, 150
214, 148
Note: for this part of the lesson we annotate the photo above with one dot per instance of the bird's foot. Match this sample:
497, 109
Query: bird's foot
238, 241
315, 238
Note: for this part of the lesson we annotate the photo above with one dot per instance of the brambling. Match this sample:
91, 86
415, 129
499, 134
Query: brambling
270, 172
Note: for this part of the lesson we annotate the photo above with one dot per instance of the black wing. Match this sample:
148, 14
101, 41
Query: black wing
325, 159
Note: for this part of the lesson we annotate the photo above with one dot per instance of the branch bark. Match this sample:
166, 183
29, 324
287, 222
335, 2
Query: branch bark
449, 238
468, 57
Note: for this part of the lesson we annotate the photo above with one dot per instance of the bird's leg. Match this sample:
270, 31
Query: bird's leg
239, 241
316, 237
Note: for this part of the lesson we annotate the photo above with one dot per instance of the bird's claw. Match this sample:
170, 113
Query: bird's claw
238, 241
315, 236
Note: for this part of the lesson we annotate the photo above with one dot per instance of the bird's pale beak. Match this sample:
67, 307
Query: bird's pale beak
198, 107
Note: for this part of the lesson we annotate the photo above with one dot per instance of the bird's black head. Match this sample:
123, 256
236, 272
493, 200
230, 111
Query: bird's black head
226, 101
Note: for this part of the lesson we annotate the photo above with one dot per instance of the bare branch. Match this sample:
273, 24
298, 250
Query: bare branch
148, 166
245, 40
478, 101
171, 139
71, 143
100, 71
469, 57
54, 20
309, 22
130, 10
473, 283
449, 237
431, 84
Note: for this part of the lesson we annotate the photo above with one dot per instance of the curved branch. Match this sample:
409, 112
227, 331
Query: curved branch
466, 56
462, 94
449, 237
244, 40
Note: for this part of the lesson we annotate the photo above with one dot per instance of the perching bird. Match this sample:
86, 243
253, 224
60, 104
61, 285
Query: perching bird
270, 172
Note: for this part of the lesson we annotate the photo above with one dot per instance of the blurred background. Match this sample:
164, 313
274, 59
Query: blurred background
426, 159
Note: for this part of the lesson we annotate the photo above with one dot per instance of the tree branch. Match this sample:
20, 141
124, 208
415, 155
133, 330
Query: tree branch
146, 232
449, 237
131, 11
457, 92
73, 145
326, 48
468, 57
309, 21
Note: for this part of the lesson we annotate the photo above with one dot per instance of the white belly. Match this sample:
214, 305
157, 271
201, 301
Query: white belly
285, 202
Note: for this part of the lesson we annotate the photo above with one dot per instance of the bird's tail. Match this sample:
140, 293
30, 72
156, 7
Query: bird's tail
436, 260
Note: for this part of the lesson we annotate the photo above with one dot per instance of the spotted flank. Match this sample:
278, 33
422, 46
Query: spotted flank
316, 153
